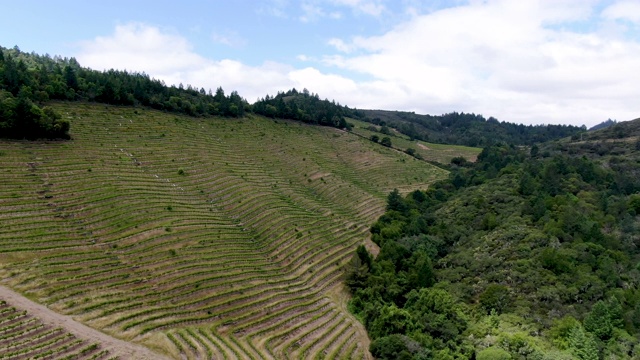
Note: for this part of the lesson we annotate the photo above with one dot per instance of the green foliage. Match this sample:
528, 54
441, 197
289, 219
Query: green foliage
386, 141
634, 203
397, 346
466, 129
21, 118
23, 88
582, 344
561, 330
603, 318
391, 320
437, 313
305, 107
493, 353
535, 239
495, 297
395, 202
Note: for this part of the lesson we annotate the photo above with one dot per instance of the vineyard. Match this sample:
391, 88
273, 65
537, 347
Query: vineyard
25, 337
197, 238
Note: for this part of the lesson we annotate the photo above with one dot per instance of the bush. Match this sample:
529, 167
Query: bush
493, 353
495, 297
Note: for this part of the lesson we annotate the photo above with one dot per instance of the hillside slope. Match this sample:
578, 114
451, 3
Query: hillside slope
525, 254
197, 237
467, 128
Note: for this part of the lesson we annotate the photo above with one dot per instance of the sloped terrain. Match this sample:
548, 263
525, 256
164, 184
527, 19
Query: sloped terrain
32, 331
199, 238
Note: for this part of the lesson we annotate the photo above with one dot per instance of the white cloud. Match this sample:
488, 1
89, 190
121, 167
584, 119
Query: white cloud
229, 38
501, 58
170, 57
340, 45
274, 8
138, 47
516, 61
623, 10
311, 12
369, 7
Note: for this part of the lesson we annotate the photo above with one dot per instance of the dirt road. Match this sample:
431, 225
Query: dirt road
124, 350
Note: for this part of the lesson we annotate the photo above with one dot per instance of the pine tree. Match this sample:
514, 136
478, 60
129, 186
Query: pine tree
598, 322
582, 344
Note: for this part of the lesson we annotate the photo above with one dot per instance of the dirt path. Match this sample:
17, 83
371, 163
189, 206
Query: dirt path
124, 350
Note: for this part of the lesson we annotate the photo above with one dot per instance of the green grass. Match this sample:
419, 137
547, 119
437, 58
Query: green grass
183, 224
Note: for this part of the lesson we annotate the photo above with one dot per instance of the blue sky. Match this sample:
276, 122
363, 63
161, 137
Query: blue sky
525, 61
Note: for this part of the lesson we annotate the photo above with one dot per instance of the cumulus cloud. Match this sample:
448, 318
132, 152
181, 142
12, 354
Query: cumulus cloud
163, 55
526, 61
623, 10
517, 61
138, 47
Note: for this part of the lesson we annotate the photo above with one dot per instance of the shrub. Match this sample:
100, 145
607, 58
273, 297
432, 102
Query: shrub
493, 353
495, 297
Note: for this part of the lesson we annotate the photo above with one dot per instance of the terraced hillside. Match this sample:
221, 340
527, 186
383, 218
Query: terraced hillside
199, 238
25, 337
429, 151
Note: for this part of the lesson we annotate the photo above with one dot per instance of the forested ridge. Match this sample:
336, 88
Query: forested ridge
28, 81
526, 254
467, 128
306, 107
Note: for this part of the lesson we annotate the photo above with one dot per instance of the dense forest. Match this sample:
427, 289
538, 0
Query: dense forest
467, 129
526, 254
27, 81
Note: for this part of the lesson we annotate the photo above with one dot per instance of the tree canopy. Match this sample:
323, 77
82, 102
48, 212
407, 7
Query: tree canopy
27, 81
538, 254
306, 107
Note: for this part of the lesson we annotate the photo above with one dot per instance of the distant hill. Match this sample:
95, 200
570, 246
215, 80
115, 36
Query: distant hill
467, 129
602, 125
28, 81
453, 128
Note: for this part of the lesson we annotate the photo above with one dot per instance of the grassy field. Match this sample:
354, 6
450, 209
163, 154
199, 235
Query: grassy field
429, 151
199, 238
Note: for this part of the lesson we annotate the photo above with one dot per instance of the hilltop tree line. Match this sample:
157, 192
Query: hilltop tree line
29, 80
467, 128
518, 256
305, 107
